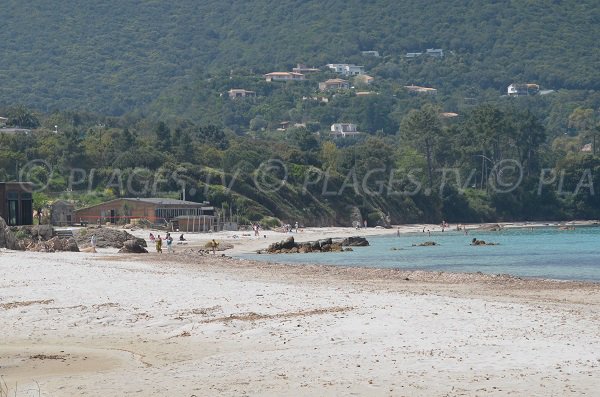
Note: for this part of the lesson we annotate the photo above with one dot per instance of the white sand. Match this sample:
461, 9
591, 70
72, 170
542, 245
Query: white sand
105, 325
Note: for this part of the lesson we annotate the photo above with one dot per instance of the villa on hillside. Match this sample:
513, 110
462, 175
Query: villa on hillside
346, 69
3, 121
240, 93
302, 68
420, 90
522, 89
344, 130
334, 84
284, 76
432, 52
371, 53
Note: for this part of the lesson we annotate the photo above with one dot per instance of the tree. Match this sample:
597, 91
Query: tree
20, 116
422, 129
163, 137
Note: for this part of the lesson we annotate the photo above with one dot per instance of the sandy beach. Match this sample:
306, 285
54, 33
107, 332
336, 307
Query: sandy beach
198, 325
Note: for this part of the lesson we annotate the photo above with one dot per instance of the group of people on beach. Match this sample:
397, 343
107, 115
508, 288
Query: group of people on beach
158, 241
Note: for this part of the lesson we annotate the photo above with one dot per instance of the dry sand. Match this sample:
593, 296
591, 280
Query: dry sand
191, 325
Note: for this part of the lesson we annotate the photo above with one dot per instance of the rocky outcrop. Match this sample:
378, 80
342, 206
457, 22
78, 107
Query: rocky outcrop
355, 242
481, 242
34, 238
132, 247
289, 246
55, 244
491, 228
426, 244
106, 237
7, 237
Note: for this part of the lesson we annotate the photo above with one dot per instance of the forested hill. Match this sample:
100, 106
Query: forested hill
113, 56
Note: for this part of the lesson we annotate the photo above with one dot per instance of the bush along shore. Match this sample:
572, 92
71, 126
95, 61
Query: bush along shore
289, 246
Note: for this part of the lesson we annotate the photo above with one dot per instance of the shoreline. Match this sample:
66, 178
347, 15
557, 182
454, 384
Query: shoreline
245, 243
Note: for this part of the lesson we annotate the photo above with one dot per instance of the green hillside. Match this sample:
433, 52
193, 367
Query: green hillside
116, 56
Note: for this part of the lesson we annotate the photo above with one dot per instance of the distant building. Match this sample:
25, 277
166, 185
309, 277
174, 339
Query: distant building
344, 129
15, 131
284, 125
365, 93
371, 53
240, 93
435, 52
16, 203
334, 84
420, 90
346, 69
448, 115
62, 213
587, 148
432, 52
284, 76
302, 68
523, 89
3, 121
155, 210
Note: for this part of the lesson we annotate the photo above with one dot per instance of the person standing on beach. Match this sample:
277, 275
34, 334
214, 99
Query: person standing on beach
365, 223
159, 244
296, 226
93, 241
169, 243
214, 245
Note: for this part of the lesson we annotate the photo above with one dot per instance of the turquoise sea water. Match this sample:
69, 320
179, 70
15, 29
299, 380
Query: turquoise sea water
541, 252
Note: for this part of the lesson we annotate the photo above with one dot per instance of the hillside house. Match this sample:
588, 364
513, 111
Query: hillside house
3, 121
522, 89
346, 69
302, 68
413, 54
16, 203
334, 84
284, 76
370, 53
435, 52
344, 130
415, 89
240, 93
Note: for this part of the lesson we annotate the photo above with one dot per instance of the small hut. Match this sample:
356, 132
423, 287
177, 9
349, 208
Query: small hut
62, 213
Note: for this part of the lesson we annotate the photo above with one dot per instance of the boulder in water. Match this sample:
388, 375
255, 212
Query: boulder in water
355, 241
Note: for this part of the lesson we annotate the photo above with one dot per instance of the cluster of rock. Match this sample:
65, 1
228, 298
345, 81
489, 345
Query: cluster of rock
426, 244
34, 238
106, 237
491, 228
133, 247
481, 242
289, 246
53, 245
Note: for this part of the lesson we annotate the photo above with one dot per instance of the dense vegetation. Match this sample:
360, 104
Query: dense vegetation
130, 99
116, 56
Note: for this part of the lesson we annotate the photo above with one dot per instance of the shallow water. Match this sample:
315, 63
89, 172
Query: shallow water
541, 252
